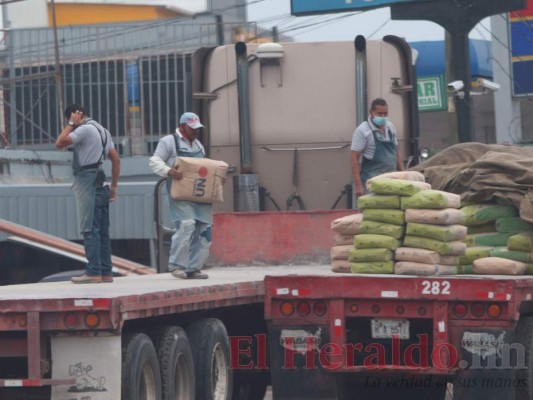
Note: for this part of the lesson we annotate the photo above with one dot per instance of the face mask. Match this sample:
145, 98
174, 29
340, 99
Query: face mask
379, 121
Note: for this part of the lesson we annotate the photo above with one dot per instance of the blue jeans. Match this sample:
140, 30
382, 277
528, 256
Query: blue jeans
97, 242
190, 245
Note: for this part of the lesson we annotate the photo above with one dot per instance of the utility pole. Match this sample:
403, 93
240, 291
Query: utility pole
59, 80
458, 17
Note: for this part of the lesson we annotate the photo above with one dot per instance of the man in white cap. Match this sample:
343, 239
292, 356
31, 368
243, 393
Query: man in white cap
193, 221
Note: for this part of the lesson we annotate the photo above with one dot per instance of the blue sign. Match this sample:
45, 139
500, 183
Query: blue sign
522, 51
307, 7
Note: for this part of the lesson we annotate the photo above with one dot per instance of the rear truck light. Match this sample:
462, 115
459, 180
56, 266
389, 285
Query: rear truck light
477, 309
23, 322
422, 310
286, 308
320, 308
494, 310
376, 309
303, 308
92, 320
400, 310
354, 308
70, 320
460, 310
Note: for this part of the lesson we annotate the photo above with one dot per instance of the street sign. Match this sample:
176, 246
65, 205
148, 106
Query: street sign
431, 93
308, 7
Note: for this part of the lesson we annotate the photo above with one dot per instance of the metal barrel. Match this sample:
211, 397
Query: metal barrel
246, 192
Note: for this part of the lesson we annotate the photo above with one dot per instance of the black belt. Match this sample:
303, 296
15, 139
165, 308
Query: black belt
91, 166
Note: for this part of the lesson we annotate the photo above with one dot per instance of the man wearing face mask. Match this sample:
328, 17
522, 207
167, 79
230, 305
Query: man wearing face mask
374, 147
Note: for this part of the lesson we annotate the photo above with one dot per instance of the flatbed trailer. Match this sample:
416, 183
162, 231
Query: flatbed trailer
340, 336
120, 340
388, 336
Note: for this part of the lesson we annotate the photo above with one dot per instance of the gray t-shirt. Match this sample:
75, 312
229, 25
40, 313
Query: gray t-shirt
88, 140
363, 139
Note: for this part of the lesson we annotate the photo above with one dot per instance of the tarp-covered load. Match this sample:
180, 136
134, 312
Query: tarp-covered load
484, 173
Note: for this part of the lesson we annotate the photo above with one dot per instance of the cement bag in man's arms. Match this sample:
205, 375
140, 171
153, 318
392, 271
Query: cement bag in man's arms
202, 180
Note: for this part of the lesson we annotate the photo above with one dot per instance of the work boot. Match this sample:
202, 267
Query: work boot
197, 275
86, 279
178, 273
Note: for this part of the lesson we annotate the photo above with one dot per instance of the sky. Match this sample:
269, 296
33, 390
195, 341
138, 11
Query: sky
373, 24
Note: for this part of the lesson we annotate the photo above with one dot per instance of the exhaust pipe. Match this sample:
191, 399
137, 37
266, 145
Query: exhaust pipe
361, 101
245, 185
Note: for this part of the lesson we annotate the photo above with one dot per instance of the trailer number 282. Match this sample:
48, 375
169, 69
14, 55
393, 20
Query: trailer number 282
436, 287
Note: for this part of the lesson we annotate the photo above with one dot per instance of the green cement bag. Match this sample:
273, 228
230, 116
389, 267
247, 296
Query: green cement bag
396, 217
432, 199
513, 225
378, 201
485, 228
474, 253
465, 269
386, 267
480, 214
487, 239
370, 255
381, 228
400, 187
521, 242
405, 175
444, 248
372, 241
446, 233
504, 252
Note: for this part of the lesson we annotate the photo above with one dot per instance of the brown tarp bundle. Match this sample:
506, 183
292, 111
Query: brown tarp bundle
484, 173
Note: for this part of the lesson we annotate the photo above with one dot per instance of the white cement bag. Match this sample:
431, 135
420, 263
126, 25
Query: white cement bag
415, 268
341, 252
202, 180
348, 225
416, 255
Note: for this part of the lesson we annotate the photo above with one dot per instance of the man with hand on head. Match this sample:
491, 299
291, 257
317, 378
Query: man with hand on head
92, 145
374, 147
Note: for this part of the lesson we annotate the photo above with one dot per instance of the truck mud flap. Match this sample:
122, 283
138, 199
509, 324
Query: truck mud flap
489, 359
95, 363
295, 366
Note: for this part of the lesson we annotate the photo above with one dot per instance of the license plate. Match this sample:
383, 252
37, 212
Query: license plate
388, 328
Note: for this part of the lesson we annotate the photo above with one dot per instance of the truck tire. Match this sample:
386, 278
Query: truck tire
210, 345
524, 336
141, 379
175, 362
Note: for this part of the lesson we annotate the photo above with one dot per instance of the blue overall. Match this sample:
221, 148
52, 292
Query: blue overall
193, 221
384, 158
92, 204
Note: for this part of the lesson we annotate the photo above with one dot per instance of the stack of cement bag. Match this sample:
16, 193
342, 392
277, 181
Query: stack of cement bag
382, 227
499, 242
435, 234
344, 229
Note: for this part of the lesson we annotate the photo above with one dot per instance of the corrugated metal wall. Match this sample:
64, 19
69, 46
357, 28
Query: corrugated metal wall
52, 209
